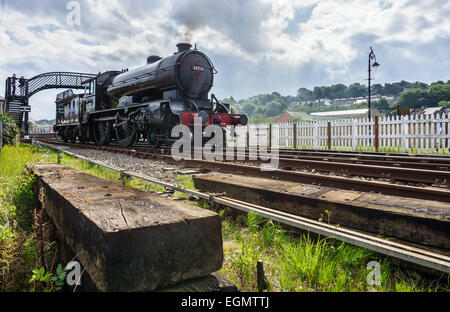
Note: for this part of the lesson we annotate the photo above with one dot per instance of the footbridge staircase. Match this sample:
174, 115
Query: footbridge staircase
18, 92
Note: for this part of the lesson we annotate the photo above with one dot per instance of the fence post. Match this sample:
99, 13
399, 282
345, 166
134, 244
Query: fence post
295, 135
329, 135
260, 276
248, 137
446, 131
354, 134
270, 136
404, 133
286, 134
376, 134
315, 135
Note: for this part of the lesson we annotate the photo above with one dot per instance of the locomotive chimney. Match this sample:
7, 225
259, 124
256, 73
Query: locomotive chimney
183, 46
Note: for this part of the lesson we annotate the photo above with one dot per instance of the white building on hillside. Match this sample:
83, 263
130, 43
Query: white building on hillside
354, 113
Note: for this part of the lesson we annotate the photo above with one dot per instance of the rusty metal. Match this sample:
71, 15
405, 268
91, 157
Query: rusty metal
340, 195
393, 173
367, 155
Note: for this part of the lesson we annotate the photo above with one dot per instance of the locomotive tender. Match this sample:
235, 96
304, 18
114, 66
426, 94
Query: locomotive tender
145, 103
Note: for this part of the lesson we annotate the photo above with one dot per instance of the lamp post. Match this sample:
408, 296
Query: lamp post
374, 65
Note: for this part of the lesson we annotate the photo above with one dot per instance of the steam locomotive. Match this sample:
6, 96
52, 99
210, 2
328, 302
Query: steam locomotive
145, 103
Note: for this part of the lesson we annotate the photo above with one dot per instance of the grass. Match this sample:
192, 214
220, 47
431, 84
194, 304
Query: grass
21, 250
300, 263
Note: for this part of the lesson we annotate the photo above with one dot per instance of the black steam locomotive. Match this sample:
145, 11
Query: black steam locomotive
145, 103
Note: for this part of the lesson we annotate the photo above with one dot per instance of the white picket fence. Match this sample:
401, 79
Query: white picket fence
418, 134
41, 129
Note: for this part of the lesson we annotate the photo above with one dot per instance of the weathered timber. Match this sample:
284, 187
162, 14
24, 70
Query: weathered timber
128, 240
423, 222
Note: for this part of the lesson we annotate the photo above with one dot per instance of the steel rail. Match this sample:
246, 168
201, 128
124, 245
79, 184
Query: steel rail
376, 171
401, 157
372, 155
439, 162
404, 252
293, 176
403, 171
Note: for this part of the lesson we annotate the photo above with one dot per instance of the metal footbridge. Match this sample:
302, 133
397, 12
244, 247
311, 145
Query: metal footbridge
18, 91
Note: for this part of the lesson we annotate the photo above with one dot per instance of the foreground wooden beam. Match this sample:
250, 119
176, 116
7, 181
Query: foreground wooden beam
128, 240
423, 222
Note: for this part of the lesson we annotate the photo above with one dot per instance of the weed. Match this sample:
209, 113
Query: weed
18, 246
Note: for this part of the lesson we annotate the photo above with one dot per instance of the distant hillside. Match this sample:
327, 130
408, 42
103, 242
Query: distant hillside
265, 107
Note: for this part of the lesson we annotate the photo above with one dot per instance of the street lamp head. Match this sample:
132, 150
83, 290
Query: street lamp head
375, 65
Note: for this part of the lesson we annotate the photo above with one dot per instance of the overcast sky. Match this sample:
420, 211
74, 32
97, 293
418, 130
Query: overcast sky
257, 46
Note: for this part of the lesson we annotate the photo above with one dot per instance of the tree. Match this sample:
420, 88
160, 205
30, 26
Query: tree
439, 82
274, 108
377, 89
249, 109
444, 104
276, 95
304, 94
382, 105
230, 100
10, 129
420, 85
414, 99
318, 93
339, 91
327, 92
357, 90
439, 92
392, 89
260, 111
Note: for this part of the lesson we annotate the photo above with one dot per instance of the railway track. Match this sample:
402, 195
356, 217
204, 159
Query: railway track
435, 162
391, 173
412, 254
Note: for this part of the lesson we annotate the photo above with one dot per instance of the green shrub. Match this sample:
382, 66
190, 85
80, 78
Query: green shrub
10, 129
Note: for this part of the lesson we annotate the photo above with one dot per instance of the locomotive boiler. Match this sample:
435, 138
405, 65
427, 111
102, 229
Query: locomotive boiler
145, 103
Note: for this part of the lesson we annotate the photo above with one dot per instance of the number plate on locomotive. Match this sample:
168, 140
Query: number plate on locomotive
198, 68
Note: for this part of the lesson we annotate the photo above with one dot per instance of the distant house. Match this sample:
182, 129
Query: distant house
344, 102
431, 111
287, 116
297, 116
320, 102
361, 99
295, 104
354, 113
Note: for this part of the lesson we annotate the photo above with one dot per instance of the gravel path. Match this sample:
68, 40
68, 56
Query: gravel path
149, 167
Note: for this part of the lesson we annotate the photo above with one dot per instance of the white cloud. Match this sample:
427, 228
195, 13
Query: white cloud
257, 45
